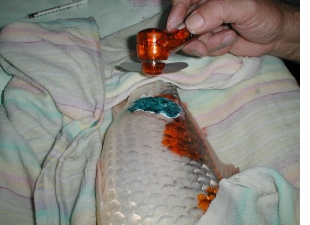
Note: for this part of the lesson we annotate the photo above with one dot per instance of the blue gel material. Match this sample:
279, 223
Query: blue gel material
158, 105
94, 124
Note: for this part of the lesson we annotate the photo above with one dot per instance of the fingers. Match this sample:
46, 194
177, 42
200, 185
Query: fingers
212, 44
213, 13
243, 47
180, 10
253, 26
216, 44
208, 16
177, 15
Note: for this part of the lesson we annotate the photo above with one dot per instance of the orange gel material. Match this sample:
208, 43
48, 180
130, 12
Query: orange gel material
183, 138
204, 200
155, 44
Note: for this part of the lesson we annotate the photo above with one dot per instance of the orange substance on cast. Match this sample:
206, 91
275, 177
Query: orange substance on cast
204, 200
183, 138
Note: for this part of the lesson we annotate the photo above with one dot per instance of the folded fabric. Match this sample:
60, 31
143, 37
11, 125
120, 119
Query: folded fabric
258, 195
247, 107
50, 141
53, 121
202, 73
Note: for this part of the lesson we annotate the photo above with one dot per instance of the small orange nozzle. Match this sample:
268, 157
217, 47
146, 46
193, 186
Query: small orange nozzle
155, 44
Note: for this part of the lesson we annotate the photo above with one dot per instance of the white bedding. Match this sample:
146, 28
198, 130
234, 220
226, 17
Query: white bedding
105, 12
56, 110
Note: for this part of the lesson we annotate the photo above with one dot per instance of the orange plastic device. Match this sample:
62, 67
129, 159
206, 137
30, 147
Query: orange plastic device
154, 45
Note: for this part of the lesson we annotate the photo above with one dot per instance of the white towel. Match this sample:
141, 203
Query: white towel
256, 196
54, 107
202, 73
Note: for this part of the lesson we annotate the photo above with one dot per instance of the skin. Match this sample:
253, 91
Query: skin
241, 27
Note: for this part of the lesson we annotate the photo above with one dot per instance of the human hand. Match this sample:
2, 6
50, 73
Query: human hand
241, 27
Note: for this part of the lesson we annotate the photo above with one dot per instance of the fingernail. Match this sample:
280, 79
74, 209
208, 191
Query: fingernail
228, 40
194, 22
173, 23
196, 53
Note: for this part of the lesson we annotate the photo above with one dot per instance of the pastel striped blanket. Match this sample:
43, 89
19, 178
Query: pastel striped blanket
57, 108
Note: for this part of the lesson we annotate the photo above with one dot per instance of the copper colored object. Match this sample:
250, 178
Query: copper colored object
154, 45
204, 200
153, 67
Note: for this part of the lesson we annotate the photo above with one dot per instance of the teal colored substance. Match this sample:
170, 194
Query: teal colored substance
158, 105
94, 124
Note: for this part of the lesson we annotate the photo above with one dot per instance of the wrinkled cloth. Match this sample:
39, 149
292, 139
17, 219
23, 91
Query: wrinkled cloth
248, 107
202, 73
259, 195
57, 108
53, 107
